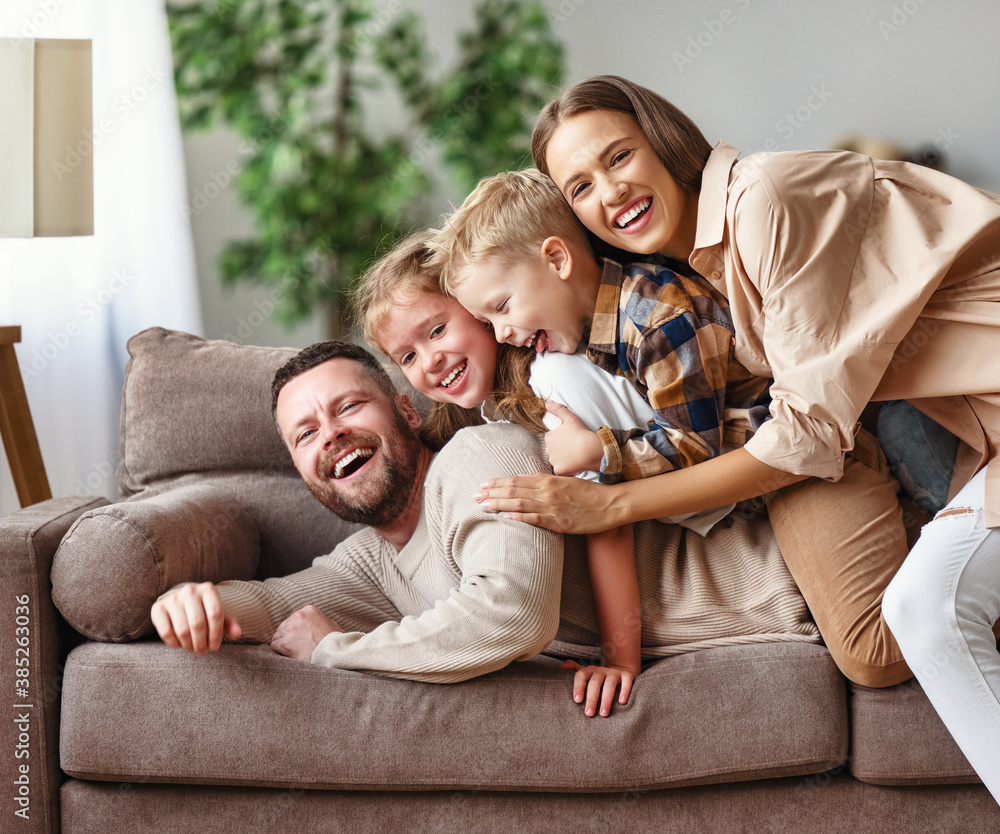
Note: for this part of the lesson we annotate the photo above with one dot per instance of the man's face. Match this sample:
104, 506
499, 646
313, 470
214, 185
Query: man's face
355, 449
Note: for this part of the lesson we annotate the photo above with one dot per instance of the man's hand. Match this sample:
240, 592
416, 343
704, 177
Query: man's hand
598, 684
571, 447
191, 617
299, 635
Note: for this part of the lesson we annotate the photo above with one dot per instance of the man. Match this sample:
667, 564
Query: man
436, 589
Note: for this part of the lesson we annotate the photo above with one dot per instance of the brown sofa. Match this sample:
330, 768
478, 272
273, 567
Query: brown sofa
110, 731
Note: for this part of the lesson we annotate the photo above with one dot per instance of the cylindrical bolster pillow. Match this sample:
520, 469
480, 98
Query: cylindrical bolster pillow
116, 560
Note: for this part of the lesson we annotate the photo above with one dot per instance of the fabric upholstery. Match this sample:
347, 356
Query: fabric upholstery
116, 560
252, 735
817, 804
28, 539
898, 739
247, 716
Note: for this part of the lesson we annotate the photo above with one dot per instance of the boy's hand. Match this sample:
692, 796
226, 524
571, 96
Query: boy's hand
595, 683
571, 447
300, 633
191, 617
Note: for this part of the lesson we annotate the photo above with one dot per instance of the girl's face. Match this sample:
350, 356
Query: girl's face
614, 181
443, 350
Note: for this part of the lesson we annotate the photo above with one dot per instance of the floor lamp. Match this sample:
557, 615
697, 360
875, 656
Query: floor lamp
46, 190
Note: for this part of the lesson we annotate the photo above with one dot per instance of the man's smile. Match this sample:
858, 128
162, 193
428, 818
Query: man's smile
351, 462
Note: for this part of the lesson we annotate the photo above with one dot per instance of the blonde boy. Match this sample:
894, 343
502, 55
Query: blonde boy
515, 255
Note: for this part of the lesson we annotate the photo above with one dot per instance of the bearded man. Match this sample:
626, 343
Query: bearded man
437, 589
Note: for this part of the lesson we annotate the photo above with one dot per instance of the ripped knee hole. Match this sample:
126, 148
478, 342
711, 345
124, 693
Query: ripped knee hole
955, 511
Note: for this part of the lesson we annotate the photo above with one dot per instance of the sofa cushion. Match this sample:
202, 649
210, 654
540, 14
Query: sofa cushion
245, 715
199, 411
116, 560
197, 405
897, 738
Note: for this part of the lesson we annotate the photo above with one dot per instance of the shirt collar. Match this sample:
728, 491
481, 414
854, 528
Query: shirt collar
604, 327
712, 208
713, 195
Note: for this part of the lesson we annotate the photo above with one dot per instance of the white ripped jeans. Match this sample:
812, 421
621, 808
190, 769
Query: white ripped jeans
941, 607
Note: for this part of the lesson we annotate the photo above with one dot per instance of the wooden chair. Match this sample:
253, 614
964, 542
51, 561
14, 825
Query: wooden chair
16, 427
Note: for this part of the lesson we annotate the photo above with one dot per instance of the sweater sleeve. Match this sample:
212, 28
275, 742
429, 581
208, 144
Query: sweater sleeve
504, 604
345, 585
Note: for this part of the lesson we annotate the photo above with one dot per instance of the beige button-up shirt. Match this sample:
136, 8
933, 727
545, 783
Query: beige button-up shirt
853, 279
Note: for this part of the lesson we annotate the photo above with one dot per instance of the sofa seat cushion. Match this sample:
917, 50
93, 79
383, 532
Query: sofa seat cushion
246, 716
897, 738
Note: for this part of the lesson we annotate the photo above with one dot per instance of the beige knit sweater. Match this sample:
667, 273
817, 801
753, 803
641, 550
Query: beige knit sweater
473, 591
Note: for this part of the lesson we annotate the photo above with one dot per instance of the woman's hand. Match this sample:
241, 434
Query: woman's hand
565, 505
571, 505
598, 684
571, 447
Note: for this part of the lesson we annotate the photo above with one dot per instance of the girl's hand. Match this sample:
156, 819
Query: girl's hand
598, 683
571, 447
564, 505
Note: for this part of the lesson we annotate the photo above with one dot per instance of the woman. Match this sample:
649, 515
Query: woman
849, 279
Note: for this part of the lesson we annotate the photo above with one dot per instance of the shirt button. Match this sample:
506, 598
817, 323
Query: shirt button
716, 275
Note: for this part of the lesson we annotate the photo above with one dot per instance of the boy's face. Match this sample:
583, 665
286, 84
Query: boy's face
441, 348
534, 303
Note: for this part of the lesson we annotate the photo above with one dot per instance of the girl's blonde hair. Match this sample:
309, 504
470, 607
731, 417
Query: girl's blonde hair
674, 137
507, 216
403, 270
408, 271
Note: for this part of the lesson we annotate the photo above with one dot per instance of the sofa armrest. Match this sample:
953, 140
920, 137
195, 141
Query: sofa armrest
31, 658
116, 560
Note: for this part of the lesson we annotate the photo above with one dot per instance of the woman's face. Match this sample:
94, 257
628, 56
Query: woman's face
614, 181
443, 350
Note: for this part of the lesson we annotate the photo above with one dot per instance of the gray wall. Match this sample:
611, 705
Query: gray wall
760, 74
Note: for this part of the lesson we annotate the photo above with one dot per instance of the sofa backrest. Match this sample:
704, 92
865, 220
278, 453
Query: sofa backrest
197, 411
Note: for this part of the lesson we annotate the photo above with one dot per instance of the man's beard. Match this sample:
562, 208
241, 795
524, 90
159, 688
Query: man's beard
387, 496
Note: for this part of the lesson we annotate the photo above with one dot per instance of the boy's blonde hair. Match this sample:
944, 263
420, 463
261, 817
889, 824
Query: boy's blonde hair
404, 270
508, 216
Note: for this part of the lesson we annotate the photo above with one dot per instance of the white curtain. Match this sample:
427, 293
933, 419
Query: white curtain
79, 299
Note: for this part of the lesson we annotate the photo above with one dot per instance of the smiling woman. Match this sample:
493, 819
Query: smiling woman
832, 264
609, 173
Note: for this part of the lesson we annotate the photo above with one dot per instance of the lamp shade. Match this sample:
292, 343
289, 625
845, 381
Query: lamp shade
46, 131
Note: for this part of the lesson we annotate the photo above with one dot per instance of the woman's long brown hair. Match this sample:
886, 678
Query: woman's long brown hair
675, 138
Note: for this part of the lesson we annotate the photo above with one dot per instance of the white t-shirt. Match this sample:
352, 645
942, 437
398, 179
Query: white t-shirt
602, 399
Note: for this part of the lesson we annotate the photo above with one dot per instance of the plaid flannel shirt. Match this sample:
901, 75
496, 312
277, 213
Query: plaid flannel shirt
672, 337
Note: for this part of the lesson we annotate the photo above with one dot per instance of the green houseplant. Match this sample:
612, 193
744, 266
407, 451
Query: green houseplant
294, 81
